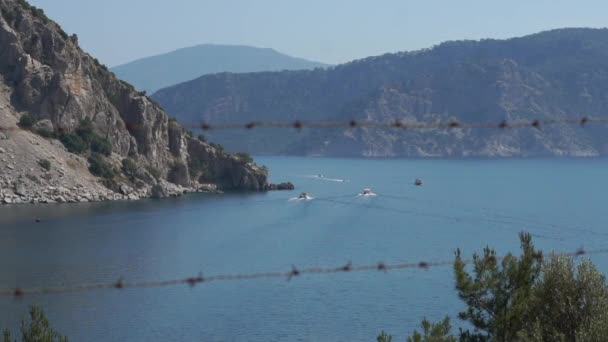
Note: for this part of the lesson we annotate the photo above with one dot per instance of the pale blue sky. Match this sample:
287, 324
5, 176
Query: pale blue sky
331, 31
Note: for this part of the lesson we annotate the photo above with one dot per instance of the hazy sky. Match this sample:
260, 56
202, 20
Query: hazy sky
331, 31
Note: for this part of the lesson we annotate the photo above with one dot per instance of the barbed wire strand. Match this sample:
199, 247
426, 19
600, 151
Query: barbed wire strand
288, 275
397, 124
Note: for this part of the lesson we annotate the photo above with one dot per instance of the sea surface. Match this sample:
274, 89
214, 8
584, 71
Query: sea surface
462, 204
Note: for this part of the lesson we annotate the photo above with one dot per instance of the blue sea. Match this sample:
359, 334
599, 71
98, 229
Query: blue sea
466, 204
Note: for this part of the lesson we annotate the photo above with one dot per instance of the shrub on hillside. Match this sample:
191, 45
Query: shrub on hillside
26, 121
244, 157
74, 143
218, 147
45, 164
99, 167
100, 145
129, 168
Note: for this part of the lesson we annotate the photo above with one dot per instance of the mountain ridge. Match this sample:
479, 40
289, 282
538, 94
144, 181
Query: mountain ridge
154, 72
552, 74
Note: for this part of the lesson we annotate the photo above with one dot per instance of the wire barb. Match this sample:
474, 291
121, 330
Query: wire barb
19, 292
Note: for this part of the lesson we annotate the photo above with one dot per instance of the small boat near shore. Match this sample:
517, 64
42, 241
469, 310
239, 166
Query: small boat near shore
304, 196
418, 182
367, 193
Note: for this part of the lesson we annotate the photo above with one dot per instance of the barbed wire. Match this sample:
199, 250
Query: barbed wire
287, 275
396, 124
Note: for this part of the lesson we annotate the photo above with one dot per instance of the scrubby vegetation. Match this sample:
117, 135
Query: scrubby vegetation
218, 147
45, 164
38, 329
84, 140
526, 298
99, 167
244, 157
26, 121
129, 168
156, 173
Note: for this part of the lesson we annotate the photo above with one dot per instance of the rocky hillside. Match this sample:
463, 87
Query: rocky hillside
71, 131
153, 73
550, 75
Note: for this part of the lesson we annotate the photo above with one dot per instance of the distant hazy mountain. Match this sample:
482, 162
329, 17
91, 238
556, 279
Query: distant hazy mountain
550, 75
153, 73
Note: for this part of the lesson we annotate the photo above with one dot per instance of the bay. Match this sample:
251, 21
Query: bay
465, 204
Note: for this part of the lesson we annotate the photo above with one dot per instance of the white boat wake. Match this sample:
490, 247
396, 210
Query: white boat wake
308, 198
323, 178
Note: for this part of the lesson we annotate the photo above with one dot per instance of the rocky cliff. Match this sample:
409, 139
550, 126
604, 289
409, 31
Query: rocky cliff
550, 75
56, 99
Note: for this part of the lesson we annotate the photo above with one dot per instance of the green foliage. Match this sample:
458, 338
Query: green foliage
46, 133
202, 138
218, 147
99, 167
26, 121
433, 332
384, 337
526, 298
129, 168
38, 330
45, 164
74, 143
84, 139
101, 145
570, 300
244, 157
154, 172
499, 296
85, 130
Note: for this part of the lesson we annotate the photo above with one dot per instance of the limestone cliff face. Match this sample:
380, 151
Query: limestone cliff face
50, 78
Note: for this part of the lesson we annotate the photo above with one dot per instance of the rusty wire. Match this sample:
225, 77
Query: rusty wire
288, 275
397, 124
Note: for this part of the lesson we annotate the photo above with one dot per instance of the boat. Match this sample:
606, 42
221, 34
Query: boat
304, 196
320, 175
418, 182
367, 192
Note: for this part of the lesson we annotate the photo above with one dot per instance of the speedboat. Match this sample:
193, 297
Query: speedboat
320, 175
304, 196
418, 182
367, 192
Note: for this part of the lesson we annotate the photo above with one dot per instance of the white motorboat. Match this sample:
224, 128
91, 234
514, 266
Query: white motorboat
367, 192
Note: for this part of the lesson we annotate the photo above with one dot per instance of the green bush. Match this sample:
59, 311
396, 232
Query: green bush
154, 172
84, 139
101, 145
202, 138
26, 121
525, 298
384, 337
45, 164
129, 168
74, 143
38, 330
218, 147
99, 167
244, 157
46, 133
85, 130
